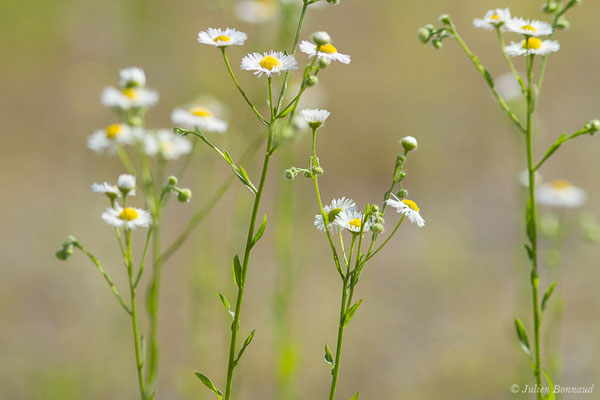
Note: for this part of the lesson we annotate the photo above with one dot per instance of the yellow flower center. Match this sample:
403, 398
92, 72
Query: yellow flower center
561, 184
528, 28
129, 92
411, 204
113, 130
532, 43
222, 38
270, 62
128, 214
355, 223
201, 112
332, 214
327, 48
495, 17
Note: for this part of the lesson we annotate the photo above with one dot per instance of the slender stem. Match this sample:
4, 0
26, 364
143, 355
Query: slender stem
533, 230
144, 254
340, 339
235, 81
125, 160
371, 255
509, 62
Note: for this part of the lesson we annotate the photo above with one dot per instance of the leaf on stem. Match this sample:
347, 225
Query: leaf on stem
529, 252
350, 313
530, 222
209, 384
550, 395
547, 295
355, 397
237, 272
522, 335
246, 344
227, 305
260, 232
329, 356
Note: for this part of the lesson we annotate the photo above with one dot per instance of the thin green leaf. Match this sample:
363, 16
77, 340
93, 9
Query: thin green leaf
355, 397
209, 384
246, 344
329, 356
529, 252
550, 395
531, 234
350, 313
227, 157
227, 305
237, 272
260, 232
522, 335
547, 295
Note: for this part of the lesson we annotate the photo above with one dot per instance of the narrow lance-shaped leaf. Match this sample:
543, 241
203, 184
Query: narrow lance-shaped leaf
227, 305
530, 222
329, 356
237, 272
547, 295
529, 252
355, 397
246, 344
522, 335
350, 313
550, 395
260, 231
209, 384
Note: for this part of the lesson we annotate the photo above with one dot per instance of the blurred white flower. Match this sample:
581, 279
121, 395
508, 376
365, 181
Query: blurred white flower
273, 62
222, 37
315, 118
126, 184
561, 193
107, 140
198, 117
132, 77
508, 87
528, 27
106, 188
257, 11
166, 144
128, 98
493, 19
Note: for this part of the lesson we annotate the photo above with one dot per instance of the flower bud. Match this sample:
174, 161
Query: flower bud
135, 121
375, 208
562, 23
380, 219
61, 254
172, 181
400, 159
317, 170
550, 7
593, 126
333, 1
321, 38
290, 174
184, 195
311, 80
126, 184
424, 35
437, 43
307, 174
324, 63
409, 143
445, 19
402, 193
376, 228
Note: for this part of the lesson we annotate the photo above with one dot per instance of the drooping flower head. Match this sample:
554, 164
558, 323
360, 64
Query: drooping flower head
106, 140
408, 208
333, 210
532, 45
198, 117
325, 51
128, 218
273, 62
528, 27
561, 193
222, 37
493, 19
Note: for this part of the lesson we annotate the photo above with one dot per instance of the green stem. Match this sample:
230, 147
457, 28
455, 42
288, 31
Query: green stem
340, 339
371, 255
511, 65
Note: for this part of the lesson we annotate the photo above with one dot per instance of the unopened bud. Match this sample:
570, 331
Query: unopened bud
445, 19
377, 228
317, 170
333, 1
437, 43
424, 35
126, 184
593, 126
562, 23
324, 63
290, 173
311, 81
402, 193
409, 143
550, 8
375, 208
184, 195
172, 181
321, 38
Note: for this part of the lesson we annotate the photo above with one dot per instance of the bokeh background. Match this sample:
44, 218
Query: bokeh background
439, 302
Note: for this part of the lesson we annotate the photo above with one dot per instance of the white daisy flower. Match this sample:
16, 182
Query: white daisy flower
326, 51
166, 144
528, 27
132, 77
333, 210
493, 19
222, 37
273, 62
198, 117
408, 208
561, 193
106, 188
532, 45
128, 98
315, 118
257, 11
126, 184
128, 218
107, 140
352, 220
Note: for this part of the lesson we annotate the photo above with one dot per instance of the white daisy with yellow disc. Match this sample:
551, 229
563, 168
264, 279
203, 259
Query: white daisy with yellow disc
560, 193
336, 207
222, 37
106, 140
493, 19
408, 208
326, 51
528, 27
532, 45
273, 62
129, 97
198, 117
128, 217
352, 220
166, 145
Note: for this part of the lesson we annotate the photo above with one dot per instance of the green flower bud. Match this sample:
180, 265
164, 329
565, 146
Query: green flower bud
317, 170
375, 208
437, 43
333, 1
324, 63
311, 80
307, 174
562, 23
550, 8
184, 195
321, 38
402, 193
593, 126
400, 159
290, 173
376, 228
172, 181
445, 19
424, 35
135, 121
61, 255
430, 28
409, 143
380, 219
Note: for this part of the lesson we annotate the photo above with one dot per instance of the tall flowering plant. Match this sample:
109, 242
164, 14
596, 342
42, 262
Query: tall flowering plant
535, 43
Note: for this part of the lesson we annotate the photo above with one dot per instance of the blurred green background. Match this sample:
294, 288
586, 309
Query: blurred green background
439, 303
